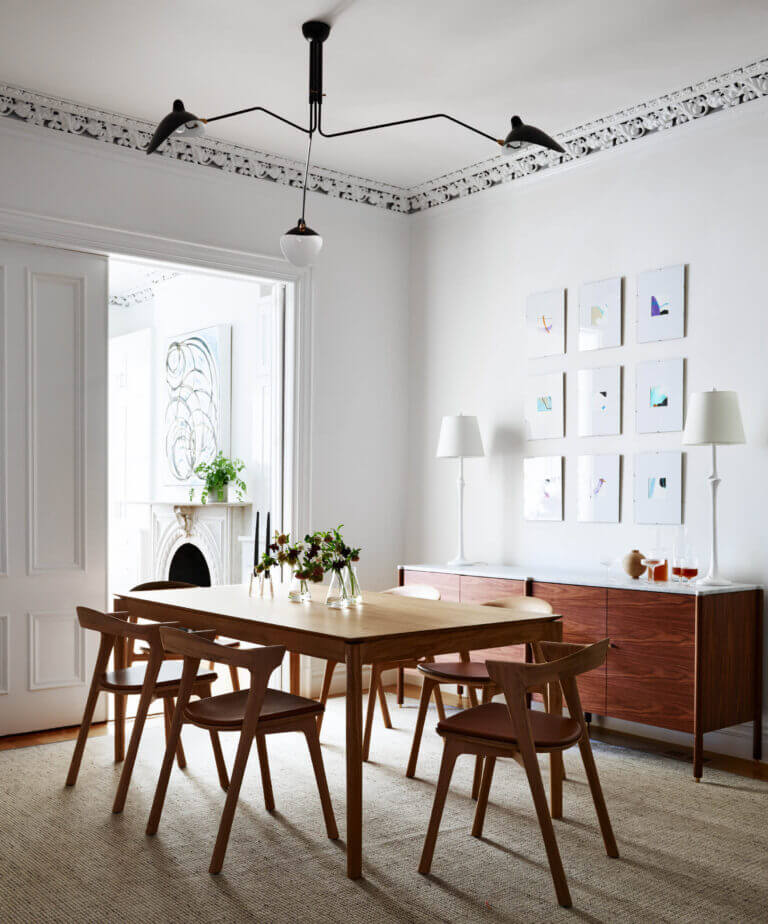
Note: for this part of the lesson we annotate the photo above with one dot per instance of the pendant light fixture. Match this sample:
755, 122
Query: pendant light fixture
300, 244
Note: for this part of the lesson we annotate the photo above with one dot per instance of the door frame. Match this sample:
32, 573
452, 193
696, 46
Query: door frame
22, 227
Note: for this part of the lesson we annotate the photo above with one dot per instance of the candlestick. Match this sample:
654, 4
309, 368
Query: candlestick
256, 542
269, 540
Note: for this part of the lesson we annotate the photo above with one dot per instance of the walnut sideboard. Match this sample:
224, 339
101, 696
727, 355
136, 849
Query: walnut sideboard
680, 657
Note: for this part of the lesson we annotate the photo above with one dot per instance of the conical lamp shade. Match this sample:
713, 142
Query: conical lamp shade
522, 134
301, 245
176, 119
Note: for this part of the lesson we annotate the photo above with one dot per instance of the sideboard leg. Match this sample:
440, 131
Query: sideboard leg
588, 718
400, 686
698, 756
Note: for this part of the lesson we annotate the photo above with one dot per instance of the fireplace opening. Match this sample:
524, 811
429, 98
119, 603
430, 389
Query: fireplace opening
189, 564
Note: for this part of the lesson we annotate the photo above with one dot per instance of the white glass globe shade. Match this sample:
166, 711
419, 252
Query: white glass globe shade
301, 245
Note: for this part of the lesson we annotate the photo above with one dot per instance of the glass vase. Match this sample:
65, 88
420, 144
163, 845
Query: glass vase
338, 591
354, 592
299, 592
266, 588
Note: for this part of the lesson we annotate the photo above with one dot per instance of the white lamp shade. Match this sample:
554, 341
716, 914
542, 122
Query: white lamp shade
713, 418
301, 247
459, 436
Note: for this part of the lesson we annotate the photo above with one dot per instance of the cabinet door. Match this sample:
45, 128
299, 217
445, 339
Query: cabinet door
483, 590
447, 584
651, 659
583, 613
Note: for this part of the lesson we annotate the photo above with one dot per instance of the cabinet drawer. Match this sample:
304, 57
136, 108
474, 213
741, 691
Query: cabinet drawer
483, 590
447, 584
582, 609
565, 596
644, 686
644, 615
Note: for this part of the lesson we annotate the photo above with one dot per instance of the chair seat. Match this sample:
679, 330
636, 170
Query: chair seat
458, 671
130, 679
228, 710
492, 721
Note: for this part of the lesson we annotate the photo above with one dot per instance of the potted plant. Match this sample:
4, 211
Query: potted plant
218, 474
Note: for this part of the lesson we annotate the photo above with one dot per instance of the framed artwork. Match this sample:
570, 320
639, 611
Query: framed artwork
600, 401
543, 488
197, 381
598, 480
600, 314
659, 396
545, 323
659, 488
661, 304
544, 418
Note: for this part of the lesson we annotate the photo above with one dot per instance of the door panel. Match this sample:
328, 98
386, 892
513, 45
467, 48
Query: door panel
53, 475
483, 590
447, 584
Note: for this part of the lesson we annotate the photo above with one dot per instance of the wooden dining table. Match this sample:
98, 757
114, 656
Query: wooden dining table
383, 628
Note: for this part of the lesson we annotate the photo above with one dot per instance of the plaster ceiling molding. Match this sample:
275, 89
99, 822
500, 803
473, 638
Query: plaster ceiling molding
143, 292
733, 88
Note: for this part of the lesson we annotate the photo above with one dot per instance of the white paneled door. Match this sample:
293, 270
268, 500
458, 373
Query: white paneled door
53, 438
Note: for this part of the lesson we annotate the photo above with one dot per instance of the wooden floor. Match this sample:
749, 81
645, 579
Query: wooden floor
736, 765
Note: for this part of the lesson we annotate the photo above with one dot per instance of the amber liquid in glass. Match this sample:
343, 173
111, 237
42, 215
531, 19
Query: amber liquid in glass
660, 572
677, 571
689, 573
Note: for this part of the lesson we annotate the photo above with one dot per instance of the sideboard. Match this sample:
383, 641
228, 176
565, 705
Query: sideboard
680, 657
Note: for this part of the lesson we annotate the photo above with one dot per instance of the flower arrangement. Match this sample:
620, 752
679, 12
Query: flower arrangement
217, 474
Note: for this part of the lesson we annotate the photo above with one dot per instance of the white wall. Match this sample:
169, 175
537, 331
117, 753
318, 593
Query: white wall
696, 195
360, 292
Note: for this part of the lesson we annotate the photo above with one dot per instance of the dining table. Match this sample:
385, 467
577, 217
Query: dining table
384, 627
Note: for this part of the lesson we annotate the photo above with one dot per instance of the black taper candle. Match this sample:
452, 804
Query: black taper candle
256, 542
269, 537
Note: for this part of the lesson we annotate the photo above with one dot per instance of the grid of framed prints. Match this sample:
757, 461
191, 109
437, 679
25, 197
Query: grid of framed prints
659, 399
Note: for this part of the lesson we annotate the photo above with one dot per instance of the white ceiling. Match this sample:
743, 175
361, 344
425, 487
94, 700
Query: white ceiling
557, 63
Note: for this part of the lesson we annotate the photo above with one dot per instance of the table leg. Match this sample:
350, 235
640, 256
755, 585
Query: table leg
354, 762
294, 673
120, 657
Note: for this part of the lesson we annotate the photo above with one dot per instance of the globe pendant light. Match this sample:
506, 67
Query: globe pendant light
300, 244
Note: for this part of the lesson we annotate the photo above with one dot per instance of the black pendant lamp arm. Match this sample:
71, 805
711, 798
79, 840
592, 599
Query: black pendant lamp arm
237, 112
436, 115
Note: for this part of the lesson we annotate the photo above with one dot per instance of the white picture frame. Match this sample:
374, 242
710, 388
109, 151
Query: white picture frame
658, 488
196, 376
544, 409
661, 304
599, 400
543, 488
545, 323
600, 314
659, 396
598, 481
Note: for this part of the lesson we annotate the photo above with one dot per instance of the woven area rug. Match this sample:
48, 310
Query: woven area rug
688, 852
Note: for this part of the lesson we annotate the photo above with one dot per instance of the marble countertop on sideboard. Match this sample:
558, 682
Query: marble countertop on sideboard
609, 577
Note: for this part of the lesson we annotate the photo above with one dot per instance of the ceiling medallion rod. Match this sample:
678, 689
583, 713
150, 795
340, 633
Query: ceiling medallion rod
301, 245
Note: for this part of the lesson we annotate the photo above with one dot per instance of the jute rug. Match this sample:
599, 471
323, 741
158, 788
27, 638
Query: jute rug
688, 852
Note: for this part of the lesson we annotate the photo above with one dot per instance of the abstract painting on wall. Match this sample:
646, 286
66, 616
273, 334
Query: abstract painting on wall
544, 406
600, 401
545, 323
661, 304
659, 396
197, 400
543, 488
600, 314
598, 485
659, 487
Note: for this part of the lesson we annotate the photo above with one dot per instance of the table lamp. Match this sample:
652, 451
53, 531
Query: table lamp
460, 439
713, 419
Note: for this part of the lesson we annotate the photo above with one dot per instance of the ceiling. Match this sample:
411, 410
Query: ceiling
558, 63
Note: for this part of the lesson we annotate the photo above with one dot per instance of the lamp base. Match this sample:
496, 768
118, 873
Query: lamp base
460, 563
713, 581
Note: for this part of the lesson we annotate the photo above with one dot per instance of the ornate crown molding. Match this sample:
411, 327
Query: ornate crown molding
142, 293
725, 91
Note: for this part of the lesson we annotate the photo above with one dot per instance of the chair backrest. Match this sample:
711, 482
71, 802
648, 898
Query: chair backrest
563, 661
422, 591
191, 645
524, 604
116, 624
163, 585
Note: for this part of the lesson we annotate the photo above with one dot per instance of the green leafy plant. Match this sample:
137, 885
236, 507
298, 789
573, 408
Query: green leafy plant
335, 552
218, 473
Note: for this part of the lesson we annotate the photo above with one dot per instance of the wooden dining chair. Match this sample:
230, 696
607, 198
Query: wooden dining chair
255, 713
512, 729
155, 679
376, 687
471, 674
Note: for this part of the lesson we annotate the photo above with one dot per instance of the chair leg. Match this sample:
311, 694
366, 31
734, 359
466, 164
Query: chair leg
218, 756
439, 703
235, 678
426, 693
330, 667
401, 686
168, 707
145, 700
266, 776
487, 696
450, 753
597, 796
482, 799
233, 794
313, 743
369, 713
383, 703
90, 705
